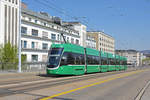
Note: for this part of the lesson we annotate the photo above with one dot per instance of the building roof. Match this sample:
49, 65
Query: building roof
126, 50
35, 14
100, 32
71, 23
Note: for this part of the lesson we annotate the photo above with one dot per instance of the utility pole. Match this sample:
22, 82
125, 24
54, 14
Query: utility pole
19, 41
63, 37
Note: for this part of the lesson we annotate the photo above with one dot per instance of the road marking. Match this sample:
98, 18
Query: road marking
139, 96
93, 84
34, 82
38, 81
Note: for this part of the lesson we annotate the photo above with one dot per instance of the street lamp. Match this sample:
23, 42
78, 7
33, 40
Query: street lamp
19, 41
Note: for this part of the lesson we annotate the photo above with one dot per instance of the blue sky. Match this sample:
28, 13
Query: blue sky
128, 21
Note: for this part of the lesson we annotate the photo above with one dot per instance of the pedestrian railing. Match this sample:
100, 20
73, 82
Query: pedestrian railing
26, 67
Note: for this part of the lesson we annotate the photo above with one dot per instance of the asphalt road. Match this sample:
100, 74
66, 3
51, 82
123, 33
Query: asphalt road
100, 86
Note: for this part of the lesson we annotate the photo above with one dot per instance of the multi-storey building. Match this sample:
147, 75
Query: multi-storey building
9, 21
79, 27
104, 41
39, 30
133, 57
90, 42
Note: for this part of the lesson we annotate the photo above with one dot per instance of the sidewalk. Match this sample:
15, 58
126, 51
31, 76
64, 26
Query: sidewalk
146, 95
6, 78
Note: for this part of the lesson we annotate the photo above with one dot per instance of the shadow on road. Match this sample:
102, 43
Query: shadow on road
54, 76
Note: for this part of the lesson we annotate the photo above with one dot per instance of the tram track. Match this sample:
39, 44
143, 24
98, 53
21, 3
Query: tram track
41, 85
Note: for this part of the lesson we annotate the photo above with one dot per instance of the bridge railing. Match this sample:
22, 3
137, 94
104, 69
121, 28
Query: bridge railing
26, 67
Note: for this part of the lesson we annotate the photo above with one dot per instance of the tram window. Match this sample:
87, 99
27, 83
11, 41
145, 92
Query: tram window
121, 62
64, 59
111, 61
124, 62
104, 61
55, 51
72, 59
97, 60
77, 60
117, 62
82, 59
93, 60
89, 59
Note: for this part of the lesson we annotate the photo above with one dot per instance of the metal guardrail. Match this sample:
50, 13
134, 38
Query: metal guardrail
31, 67
26, 67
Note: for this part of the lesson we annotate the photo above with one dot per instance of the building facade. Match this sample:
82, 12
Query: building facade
39, 31
90, 42
133, 57
9, 21
104, 42
80, 28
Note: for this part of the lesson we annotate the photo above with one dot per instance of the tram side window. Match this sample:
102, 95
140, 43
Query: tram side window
104, 61
93, 60
89, 59
121, 62
72, 59
97, 60
78, 59
117, 62
112, 61
64, 59
124, 62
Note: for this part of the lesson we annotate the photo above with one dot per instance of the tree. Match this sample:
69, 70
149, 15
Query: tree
9, 56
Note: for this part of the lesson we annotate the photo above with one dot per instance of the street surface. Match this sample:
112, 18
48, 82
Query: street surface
121, 85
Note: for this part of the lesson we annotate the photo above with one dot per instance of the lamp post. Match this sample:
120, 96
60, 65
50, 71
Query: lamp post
19, 41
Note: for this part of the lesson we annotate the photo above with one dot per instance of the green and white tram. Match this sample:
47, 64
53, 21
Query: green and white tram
70, 59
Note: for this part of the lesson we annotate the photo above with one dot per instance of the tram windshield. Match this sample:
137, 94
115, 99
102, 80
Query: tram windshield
54, 57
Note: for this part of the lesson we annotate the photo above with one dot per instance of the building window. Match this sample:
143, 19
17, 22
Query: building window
72, 40
36, 21
30, 19
77, 41
58, 37
67, 39
45, 34
25, 44
23, 30
45, 24
16, 2
45, 46
53, 36
34, 32
33, 45
34, 58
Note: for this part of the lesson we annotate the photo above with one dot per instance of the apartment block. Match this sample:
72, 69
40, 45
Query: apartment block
39, 31
134, 57
104, 41
80, 28
90, 42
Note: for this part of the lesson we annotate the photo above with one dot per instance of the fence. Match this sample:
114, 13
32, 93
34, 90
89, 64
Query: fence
26, 67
